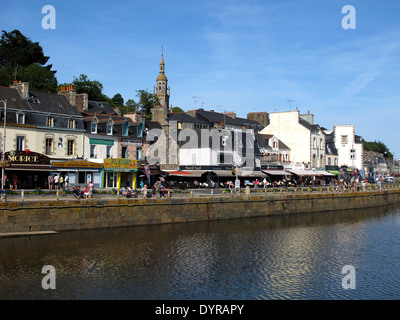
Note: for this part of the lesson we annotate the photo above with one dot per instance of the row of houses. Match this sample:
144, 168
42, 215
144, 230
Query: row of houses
67, 134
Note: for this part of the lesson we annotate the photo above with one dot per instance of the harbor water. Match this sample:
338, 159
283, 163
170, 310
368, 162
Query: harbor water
270, 258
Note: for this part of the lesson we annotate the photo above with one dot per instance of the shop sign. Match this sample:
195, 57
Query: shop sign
101, 141
120, 163
77, 164
135, 143
26, 157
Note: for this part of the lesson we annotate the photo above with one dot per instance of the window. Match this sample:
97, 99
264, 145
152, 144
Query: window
140, 130
125, 129
315, 143
344, 139
20, 143
108, 152
329, 161
110, 128
94, 127
93, 151
49, 122
139, 154
71, 148
124, 152
71, 124
352, 154
20, 118
49, 145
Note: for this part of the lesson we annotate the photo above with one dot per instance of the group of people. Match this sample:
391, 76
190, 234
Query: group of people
86, 193
157, 186
58, 182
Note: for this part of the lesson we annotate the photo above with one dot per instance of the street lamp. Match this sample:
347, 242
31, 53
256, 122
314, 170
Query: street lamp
4, 150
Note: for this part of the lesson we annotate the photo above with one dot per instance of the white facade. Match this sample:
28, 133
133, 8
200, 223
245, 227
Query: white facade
305, 140
98, 148
350, 151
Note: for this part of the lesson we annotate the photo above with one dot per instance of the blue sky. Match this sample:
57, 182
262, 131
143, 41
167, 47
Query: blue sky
240, 56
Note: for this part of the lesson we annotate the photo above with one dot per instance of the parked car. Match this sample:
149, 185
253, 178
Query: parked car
389, 179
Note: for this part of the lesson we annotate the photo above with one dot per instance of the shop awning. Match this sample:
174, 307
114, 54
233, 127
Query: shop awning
252, 174
192, 173
277, 172
302, 172
222, 173
337, 173
326, 173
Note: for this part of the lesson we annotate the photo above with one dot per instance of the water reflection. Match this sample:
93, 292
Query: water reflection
282, 257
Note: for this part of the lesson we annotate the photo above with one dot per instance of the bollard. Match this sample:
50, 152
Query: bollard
212, 193
118, 194
191, 193
22, 195
58, 194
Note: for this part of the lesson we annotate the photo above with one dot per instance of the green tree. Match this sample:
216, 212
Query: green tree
130, 106
177, 109
24, 60
146, 101
40, 78
378, 147
117, 100
93, 88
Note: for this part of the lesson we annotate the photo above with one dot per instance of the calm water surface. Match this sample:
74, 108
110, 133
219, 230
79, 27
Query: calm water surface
286, 257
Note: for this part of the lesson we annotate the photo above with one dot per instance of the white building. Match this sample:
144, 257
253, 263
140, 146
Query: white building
349, 147
299, 133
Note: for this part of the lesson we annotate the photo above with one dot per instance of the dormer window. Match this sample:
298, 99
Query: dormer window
140, 130
20, 118
93, 128
110, 128
71, 124
49, 122
125, 129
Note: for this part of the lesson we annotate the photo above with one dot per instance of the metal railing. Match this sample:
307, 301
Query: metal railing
119, 194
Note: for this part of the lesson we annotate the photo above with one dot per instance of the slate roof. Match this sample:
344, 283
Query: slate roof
100, 107
38, 107
183, 117
216, 117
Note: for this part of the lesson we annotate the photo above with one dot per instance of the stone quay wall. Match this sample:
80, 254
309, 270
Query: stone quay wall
68, 215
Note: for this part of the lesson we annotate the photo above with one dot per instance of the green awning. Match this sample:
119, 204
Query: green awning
338, 173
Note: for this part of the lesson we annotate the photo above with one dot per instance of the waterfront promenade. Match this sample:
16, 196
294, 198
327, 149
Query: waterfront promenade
110, 210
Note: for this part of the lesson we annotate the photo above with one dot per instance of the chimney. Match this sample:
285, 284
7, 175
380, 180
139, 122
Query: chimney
69, 93
82, 102
261, 117
22, 87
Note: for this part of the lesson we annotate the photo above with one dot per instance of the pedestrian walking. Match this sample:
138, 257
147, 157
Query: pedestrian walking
66, 180
50, 181
91, 187
55, 180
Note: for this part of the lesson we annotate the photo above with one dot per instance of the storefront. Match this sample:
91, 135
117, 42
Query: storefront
26, 170
120, 172
80, 172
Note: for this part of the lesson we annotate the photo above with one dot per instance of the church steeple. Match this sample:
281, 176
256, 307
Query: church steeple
161, 88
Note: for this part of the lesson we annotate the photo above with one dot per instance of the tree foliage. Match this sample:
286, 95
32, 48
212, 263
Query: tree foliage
93, 88
24, 60
176, 109
379, 147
